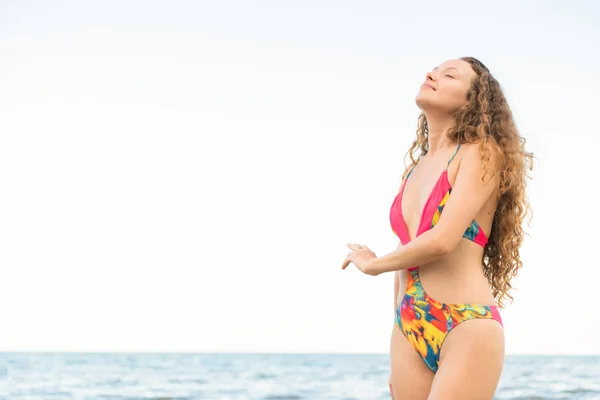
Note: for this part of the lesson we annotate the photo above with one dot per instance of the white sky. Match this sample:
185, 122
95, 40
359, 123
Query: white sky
185, 177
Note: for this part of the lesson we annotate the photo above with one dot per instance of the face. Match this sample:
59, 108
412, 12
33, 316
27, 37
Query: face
446, 86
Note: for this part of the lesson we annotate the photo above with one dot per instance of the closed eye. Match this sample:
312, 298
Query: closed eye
450, 76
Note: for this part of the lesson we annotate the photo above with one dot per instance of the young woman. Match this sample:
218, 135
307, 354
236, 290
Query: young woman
458, 216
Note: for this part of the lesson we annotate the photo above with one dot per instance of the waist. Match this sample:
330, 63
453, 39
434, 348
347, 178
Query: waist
455, 285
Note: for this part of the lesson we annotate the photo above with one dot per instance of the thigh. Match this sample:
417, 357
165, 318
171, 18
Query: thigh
471, 361
411, 378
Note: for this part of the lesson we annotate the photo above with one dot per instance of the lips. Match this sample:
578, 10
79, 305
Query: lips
428, 85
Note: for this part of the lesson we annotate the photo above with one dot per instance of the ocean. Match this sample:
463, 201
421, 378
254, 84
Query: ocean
168, 376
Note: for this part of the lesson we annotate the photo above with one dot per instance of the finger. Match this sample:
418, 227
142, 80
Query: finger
354, 246
346, 262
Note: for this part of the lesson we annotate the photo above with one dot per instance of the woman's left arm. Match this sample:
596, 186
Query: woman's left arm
473, 187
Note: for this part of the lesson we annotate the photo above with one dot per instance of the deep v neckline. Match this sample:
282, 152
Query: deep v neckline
423, 209
399, 200
430, 211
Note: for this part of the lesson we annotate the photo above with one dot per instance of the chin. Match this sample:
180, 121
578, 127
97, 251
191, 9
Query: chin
432, 105
424, 102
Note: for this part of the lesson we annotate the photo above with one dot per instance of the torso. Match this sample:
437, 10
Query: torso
457, 277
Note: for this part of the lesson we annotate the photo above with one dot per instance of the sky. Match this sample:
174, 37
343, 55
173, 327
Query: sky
184, 176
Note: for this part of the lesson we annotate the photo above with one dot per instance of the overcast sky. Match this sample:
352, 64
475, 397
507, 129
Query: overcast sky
185, 175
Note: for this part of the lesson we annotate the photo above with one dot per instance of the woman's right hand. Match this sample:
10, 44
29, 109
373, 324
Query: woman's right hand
390, 385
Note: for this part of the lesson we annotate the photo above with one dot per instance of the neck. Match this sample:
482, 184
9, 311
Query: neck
436, 137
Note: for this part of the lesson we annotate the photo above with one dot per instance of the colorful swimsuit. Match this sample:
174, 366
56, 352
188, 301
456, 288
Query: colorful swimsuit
425, 321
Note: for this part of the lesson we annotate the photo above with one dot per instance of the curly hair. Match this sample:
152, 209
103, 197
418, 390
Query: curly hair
487, 119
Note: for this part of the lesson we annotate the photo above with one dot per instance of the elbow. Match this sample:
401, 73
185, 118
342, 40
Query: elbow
443, 245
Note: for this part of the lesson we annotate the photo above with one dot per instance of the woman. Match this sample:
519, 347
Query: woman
458, 216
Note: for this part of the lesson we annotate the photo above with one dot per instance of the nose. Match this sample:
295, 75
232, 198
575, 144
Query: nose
429, 76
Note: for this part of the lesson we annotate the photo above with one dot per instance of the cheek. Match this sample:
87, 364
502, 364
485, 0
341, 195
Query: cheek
456, 96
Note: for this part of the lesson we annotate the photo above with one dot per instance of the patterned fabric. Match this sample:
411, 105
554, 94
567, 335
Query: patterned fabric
441, 190
473, 232
426, 322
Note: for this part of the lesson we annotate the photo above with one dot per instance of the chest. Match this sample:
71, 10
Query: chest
417, 190
423, 190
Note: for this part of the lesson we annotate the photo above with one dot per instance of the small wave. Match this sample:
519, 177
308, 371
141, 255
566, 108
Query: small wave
262, 376
529, 398
198, 381
580, 391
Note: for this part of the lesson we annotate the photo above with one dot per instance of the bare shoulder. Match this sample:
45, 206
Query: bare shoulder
483, 159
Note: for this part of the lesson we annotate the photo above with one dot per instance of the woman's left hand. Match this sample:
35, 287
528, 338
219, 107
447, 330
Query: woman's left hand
360, 256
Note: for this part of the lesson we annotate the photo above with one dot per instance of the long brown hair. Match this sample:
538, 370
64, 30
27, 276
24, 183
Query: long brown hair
487, 119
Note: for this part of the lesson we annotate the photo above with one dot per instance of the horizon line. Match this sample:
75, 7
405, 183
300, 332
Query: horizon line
208, 352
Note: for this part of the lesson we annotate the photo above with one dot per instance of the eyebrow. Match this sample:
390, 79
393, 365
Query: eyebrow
448, 68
